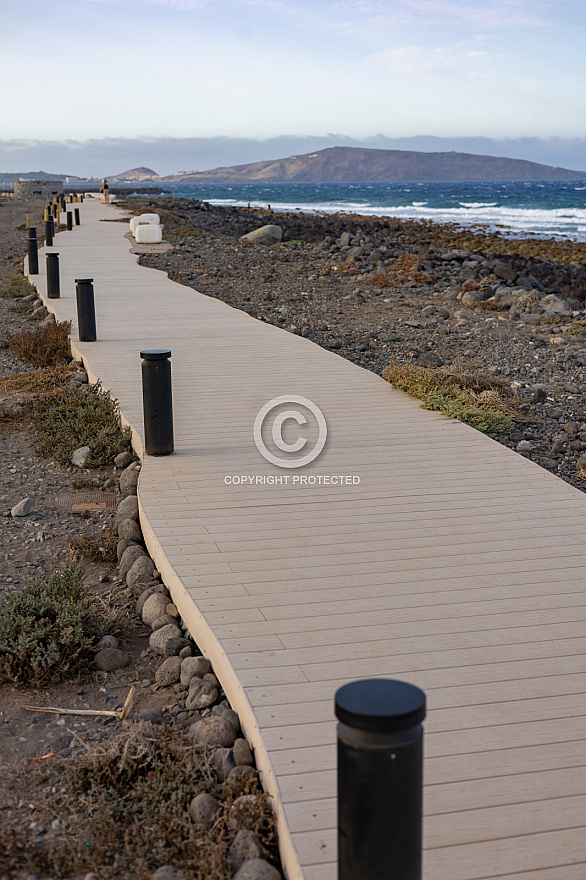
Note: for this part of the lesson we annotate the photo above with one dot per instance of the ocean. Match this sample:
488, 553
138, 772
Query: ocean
543, 208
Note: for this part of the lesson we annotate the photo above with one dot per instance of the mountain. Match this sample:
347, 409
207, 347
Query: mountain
136, 174
351, 164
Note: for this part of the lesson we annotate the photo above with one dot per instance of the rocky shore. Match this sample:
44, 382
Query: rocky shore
379, 291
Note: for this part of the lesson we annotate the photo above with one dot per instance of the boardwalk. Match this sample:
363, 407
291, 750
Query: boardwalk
453, 563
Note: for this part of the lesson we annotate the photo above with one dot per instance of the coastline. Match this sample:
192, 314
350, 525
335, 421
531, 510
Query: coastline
321, 282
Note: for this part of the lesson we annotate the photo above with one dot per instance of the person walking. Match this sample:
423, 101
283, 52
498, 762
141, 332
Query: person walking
106, 190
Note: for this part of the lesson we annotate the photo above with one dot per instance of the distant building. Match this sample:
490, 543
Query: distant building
39, 190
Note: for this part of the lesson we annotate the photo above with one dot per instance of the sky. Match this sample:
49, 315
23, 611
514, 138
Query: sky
128, 72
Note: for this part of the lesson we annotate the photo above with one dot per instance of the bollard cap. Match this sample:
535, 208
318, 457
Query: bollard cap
156, 354
84, 280
380, 705
32, 232
52, 254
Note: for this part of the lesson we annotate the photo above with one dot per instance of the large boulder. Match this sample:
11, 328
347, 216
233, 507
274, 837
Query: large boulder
264, 235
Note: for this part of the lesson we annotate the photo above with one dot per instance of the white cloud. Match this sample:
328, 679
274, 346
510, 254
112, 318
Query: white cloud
492, 15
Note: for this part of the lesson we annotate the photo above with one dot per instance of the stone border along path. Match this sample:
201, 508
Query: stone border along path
455, 564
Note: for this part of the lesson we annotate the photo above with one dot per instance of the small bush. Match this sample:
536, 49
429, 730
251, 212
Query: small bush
90, 418
49, 629
484, 403
24, 393
407, 268
102, 550
44, 346
127, 803
17, 288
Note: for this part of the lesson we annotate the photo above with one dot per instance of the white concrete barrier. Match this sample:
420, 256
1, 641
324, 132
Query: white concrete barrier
148, 233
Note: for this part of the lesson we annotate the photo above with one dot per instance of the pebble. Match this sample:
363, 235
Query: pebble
194, 667
128, 507
213, 731
153, 608
129, 557
202, 694
204, 809
168, 672
129, 529
109, 659
129, 479
81, 457
159, 638
257, 869
122, 460
23, 508
242, 753
140, 571
246, 846
106, 642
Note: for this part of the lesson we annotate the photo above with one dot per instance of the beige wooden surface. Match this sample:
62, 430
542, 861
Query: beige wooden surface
454, 564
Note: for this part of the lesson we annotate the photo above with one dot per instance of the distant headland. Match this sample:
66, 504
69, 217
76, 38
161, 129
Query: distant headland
354, 164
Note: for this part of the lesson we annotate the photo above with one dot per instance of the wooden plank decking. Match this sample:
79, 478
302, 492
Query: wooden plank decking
455, 564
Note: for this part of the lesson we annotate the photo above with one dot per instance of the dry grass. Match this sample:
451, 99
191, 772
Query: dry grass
407, 268
126, 803
24, 393
483, 402
43, 346
103, 549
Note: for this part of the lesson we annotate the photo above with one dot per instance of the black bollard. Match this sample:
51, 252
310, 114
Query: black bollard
380, 780
157, 401
77, 220
48, 233
53, 285
81, 197
71, 198
54, 209
69, 220
52, 219
63, 203
86, 310
33, 252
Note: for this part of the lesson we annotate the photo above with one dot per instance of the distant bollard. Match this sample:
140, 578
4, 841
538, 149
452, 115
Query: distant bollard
54, 209
86, 310
33, 252
48, 233
157, 401
69, 220
81, 197
70, 198
53, 284
63, 203
380, 780
52, 219
76, 214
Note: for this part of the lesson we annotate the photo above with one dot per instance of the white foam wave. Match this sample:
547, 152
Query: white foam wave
544, 222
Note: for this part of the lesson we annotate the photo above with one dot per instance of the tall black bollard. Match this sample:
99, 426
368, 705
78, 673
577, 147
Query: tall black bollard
77, 220
380, 780
53, 285
63, 203
49, 233
69, 220
54, 209
157, 401
70, 197
33, 252
81, 197
86, 310
52, 219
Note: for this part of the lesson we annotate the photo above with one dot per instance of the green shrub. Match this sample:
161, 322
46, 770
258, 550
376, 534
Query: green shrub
90, 418
484, 403
49, 629
17, 288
